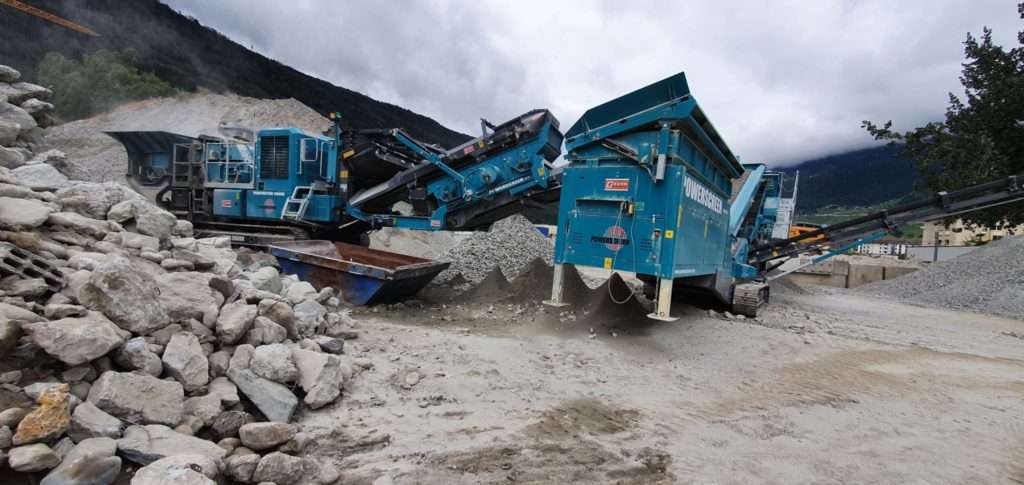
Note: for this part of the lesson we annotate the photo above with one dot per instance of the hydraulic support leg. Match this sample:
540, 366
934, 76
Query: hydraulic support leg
663, 305
557, 287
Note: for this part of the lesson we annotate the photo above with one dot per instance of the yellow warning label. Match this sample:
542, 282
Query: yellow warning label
541, 171
669, 233
607, 263
344, 174
348, 153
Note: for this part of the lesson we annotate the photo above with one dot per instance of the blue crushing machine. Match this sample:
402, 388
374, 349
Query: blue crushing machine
651, 188
283, 183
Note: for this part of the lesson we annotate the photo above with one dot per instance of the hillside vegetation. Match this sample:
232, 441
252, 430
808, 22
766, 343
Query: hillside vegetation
854, 179
188, 55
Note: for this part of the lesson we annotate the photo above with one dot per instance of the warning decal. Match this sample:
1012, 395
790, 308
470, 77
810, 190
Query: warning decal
616, 185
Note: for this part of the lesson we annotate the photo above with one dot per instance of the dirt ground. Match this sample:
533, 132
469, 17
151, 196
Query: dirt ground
825, 387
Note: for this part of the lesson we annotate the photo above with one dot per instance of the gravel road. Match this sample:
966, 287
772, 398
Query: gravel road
827, 387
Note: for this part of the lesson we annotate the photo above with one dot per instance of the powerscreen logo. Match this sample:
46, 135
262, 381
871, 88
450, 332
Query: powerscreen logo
701, 195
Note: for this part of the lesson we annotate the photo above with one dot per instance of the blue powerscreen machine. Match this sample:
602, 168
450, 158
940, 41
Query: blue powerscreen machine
652, 188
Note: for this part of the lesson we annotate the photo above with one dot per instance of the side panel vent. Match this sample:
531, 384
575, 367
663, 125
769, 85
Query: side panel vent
274, 157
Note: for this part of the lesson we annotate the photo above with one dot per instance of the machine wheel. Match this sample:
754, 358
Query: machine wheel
747, 298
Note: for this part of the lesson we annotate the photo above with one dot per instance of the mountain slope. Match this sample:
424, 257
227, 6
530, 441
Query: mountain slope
853, 179
188, 55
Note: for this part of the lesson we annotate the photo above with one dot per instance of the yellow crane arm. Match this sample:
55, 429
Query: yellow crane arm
24, 7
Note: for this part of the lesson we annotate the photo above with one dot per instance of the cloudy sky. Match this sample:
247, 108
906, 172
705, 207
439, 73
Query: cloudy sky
783, 81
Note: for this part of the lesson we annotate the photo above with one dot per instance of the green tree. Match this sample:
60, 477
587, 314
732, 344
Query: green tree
99, 82
982, 137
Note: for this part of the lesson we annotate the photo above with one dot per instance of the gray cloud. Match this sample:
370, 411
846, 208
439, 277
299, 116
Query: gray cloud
783, 81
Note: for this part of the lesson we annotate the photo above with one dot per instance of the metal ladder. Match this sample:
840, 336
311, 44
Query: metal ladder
295, 207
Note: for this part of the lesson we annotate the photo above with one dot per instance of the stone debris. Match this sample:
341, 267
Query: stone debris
149, 443
32, 458
89, 421
511, 244
48, 421
986, 280
138, 340
184, 469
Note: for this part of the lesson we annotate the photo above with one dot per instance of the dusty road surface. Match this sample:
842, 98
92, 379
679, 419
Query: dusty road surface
825, 387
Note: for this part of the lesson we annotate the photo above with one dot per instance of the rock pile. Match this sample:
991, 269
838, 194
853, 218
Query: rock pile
511, 244
24, 113
135, 341
989, 280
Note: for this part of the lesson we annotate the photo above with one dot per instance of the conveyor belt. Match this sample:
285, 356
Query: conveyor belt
524, 128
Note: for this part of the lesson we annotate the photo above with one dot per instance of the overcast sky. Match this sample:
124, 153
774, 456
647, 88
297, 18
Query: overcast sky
783, 81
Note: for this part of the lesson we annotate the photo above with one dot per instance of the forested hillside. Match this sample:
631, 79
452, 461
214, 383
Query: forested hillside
181, 51
853, 179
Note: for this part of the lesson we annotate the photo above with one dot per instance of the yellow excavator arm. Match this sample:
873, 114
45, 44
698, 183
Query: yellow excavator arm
63, 22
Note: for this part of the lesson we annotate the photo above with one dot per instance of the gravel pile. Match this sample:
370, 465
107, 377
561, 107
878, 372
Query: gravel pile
988, 280
97, 157
511, 244
125, 339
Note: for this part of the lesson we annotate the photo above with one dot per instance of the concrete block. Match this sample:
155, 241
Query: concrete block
897, 271
862, 274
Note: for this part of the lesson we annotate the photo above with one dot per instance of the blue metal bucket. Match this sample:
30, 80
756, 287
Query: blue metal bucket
364, 276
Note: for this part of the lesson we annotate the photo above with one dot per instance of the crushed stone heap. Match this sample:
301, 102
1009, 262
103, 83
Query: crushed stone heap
511, 244
989, 280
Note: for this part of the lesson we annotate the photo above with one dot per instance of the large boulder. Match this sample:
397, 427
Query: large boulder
89, 421
82, 224
76, 341
130, 297
263, 436
264, 331
282, 314
138, 399
20, 92
32, 458
278, 468
10, 332
11, 313
234, 321
266, 279
241, 467
184, 360
274, 400
274, 362
94, 199
8, 74
146, 444
14, 114
23, 213
91, 462
308, 316
300, 291
48, 421
189, 295
150, 219
135, 356
188, 469
36, 108
12, 158
9, 132
41, 176
320, 376
206, 408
